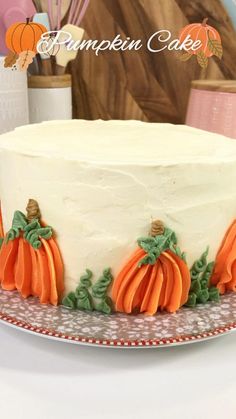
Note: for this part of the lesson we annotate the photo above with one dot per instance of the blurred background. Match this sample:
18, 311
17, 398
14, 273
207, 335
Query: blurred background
143, 85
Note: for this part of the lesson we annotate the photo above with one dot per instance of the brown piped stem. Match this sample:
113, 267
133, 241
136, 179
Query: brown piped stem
33, 211
204, 22
27, 20
157, 228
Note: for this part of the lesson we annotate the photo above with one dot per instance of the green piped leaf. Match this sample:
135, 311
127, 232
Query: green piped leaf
199, 266
214, 294
85, 280
155, 246
105, 306
194, 275
34, 225
99, 289
192, 300
1, 242
176, 250
34, 241
149, 259
45, 232
205, 279
70, 300
19, 222
200, 292
170, 235
204, 283
203, 296
33, 232
81, 292
195, 286
12, 235
83, 299
147, 243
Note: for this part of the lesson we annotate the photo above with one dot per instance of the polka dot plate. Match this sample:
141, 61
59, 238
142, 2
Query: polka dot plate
119, 330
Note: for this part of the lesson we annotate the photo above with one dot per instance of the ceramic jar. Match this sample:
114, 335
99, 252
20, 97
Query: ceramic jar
50, 98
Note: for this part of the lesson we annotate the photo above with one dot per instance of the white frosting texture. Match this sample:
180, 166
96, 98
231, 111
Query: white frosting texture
100, 184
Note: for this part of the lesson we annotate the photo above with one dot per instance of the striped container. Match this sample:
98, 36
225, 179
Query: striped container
13, 98
212, 106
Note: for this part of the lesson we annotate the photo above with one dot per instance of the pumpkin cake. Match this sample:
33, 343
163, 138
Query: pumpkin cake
142, 215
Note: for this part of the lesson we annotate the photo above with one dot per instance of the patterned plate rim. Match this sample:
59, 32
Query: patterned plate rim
115, 343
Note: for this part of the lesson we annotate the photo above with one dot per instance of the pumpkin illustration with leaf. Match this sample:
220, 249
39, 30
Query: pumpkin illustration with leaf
210, 42
30, 260
22, 39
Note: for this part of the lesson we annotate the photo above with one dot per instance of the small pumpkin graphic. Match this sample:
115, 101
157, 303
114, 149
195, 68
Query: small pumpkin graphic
30, 260
155, 276
24, 36
210, 42
201, 32
224, 272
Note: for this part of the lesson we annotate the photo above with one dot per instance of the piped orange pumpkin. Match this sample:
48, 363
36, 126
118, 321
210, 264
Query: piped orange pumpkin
30, 260
1, 224
155, 276
224, 272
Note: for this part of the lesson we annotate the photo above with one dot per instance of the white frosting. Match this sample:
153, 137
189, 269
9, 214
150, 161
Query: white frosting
99, 184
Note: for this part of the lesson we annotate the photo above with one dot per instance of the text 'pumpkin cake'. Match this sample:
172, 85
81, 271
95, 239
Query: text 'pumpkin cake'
142, 215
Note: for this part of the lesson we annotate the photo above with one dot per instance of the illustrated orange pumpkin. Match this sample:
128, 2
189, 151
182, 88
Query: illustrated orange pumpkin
24, 36
30, 260
202, 32
224, 272
163, 283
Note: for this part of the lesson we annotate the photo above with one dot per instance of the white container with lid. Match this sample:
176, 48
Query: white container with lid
13, 98
50, 98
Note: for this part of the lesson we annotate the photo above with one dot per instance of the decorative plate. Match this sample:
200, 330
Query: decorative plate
119, 330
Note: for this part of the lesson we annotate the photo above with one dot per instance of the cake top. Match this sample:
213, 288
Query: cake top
119, 142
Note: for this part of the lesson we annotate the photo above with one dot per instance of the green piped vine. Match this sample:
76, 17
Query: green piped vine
91, 297
32, 231
158, 244
99, 291
200, 291
83, 297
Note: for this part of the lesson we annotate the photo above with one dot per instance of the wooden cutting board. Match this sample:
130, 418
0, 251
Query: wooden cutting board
140, 84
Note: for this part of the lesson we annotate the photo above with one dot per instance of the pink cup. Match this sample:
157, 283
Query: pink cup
212, 106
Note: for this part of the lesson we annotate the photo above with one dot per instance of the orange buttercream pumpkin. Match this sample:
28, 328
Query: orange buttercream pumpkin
224, 273
30, 260
161, 282
1, 224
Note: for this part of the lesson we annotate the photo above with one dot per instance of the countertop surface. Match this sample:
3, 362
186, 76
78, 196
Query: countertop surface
42, 379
